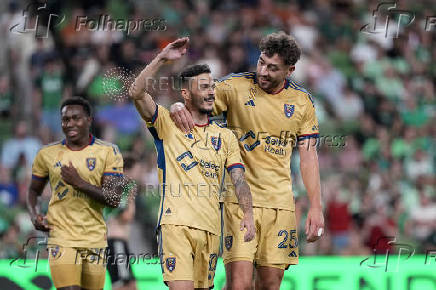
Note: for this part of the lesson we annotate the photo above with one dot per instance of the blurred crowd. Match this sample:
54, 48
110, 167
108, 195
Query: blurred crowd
374, 93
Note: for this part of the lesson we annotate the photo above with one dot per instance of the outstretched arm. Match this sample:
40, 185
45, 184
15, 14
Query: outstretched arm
143, 101
245, 202
310, 173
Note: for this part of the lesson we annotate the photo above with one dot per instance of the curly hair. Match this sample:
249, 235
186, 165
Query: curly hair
282, 44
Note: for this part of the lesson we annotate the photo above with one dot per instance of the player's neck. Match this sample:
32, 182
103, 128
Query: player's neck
200, 119
79, 144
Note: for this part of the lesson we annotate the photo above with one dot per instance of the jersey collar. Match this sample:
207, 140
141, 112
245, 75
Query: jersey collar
203, 125
91, 141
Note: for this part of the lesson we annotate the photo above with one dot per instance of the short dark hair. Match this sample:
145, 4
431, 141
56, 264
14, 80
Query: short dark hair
78, 101
192, 71
283, 44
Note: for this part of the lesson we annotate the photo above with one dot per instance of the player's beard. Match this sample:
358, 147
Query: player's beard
198, 103
273, 84
205, 111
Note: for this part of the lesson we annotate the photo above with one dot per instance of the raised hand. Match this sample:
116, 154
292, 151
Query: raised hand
175, 50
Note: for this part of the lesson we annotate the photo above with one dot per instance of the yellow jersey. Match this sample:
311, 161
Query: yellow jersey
267, 126
191, 170
77, 219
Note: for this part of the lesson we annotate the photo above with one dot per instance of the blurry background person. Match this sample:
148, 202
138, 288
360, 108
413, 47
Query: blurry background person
118, 223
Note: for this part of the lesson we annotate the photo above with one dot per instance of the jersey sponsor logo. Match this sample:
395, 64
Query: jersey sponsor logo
289, 110
216, 143
228, 242
187, 155
170, 263
90, 163
250, 134
250, 103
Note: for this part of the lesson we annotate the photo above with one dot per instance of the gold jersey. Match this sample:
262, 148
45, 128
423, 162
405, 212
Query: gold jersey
191, 168
267, 126
76, 218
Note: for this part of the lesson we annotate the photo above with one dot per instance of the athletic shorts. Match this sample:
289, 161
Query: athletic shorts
275, 244
188, 254
84, 267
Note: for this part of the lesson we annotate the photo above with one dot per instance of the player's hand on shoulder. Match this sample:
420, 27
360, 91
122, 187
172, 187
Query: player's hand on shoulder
181, 117
314, 224
39, 221
175, 50
248, 223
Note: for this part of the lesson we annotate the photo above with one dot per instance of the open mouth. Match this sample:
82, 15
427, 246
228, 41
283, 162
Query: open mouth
209, 100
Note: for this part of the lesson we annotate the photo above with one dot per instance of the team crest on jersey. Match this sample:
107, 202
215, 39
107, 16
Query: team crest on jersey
90, 163
54, 251
171, 264
216, 142
228, 242
289, 110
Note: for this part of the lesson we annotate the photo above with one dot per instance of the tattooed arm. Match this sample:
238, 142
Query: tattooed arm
245, 202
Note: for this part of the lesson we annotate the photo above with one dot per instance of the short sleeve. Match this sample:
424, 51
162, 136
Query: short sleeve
161, 123
224, 91
39, 167
114, 162
309, 127
234, 159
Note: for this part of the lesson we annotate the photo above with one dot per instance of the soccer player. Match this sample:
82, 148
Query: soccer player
85, 176
270, 114
191, 168
119, 221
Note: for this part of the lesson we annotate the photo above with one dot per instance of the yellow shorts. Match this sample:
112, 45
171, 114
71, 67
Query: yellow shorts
84, 267
188, 254
275, 244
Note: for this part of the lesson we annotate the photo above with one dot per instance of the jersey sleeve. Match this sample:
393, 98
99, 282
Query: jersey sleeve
234, 159
161, 123
114, 162
224, 91
309, 127
39, 167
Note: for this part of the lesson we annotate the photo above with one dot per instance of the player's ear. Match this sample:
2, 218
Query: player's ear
185, 94
89, 119
290, 70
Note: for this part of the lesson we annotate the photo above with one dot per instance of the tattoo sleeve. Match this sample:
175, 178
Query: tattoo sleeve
242, 190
